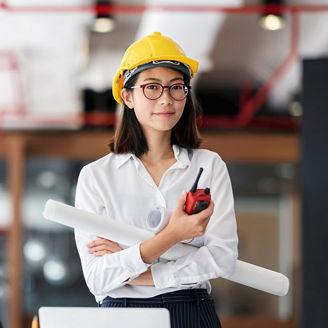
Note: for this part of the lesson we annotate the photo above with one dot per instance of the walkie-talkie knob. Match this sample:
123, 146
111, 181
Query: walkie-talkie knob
207, 191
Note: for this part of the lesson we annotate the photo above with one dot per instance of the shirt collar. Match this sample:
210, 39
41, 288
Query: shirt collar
123, 158
181, 155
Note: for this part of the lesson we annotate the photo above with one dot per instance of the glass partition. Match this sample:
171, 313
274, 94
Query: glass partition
266, 203
52, 269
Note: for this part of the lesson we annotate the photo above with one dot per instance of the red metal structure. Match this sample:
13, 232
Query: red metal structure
12, 65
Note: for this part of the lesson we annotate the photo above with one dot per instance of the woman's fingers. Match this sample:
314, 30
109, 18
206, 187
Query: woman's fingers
181, 201
206, 213
102, 241
184, 226
101, 253
101, 249
202, 219
102, 246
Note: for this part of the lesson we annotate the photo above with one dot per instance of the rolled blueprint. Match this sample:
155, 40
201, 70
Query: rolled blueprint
260, 278
245, 273
122, 233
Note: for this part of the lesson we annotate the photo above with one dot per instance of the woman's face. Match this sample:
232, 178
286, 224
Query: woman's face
163, 113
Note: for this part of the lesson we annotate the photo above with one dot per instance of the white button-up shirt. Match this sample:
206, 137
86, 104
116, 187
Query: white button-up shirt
120, 187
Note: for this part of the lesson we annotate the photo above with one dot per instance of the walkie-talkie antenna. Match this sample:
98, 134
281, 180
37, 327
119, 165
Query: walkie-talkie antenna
194, 186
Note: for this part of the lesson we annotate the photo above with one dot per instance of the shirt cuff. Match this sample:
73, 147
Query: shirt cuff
163, 276
132, 262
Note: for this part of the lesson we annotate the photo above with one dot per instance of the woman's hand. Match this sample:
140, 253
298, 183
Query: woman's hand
102, 246
184, 226
181, 226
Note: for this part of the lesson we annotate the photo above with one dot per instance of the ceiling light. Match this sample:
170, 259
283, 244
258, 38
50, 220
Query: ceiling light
295, 108
103, 23
272, 22
272, 19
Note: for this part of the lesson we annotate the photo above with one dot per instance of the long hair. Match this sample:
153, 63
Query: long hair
129, 137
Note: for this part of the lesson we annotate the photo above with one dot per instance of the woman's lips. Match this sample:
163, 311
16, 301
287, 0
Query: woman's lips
164, 114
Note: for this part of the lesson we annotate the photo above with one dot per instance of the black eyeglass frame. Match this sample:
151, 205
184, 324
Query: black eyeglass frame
143, 86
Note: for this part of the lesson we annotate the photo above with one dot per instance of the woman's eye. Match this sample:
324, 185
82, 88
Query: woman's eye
177, 87
152, 86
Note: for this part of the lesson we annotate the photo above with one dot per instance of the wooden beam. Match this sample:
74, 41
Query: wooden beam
231, 146
254, 147
74, 145
15, 164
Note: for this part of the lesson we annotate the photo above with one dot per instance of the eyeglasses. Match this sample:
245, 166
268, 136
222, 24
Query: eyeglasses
153, 91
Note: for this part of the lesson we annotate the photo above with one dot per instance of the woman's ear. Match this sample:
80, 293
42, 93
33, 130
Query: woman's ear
127, 98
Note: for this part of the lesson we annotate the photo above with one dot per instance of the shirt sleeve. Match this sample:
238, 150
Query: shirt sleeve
103, 273
218, 256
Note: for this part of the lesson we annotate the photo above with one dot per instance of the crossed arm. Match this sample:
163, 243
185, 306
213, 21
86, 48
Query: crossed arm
103, 246
181, 226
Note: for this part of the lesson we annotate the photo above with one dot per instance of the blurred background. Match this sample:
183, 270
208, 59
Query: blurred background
57, 113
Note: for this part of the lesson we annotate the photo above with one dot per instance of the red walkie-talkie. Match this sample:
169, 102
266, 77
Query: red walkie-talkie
197, 199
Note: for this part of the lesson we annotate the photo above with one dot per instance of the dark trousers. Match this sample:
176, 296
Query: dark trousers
191, 308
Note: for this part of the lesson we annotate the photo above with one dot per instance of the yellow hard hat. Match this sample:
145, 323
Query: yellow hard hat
153, 49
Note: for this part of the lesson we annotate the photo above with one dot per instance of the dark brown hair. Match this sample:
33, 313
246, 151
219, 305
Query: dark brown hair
129, 137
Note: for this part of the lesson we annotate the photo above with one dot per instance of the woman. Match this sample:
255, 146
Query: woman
154, 159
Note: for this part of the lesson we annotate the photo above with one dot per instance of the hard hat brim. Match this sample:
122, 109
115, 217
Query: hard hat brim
181, 67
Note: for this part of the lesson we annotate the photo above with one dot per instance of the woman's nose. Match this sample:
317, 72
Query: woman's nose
166, 96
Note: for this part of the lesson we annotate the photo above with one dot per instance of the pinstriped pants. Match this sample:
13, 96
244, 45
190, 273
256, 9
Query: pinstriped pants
190, 308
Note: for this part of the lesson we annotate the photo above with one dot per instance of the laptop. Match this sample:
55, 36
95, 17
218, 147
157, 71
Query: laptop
92, 317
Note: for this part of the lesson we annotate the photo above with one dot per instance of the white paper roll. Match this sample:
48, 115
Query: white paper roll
105, 227
158, 219
94, 224
260, 278
245, 273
